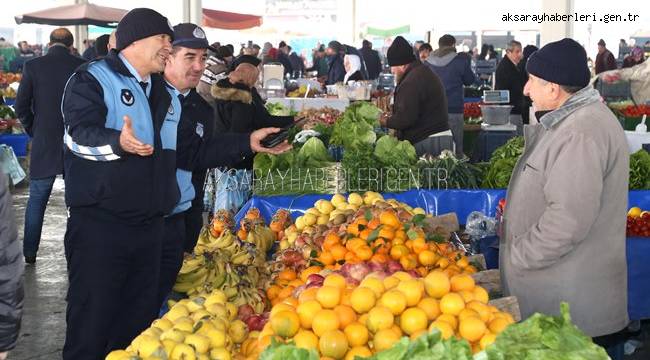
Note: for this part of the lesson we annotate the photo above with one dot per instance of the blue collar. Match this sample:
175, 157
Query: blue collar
135, 73
176, 92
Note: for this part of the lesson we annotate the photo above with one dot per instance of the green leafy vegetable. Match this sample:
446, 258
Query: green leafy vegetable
502, 164
361, 169
543, 337
640, 170
448, 172
277, 109
313, 154
429, 346
277, 351
356, 125
398, 164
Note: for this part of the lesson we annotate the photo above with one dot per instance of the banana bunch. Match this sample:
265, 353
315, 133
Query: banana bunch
262, 237
250, 296
192, 275
225, 243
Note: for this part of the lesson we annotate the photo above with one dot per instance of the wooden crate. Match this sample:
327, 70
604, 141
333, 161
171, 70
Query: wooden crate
508, 304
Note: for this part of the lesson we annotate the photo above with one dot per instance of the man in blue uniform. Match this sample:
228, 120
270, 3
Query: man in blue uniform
198, 148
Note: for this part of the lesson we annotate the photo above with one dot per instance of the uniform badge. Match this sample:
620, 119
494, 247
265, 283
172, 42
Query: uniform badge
127, 97
199, 129
198, 33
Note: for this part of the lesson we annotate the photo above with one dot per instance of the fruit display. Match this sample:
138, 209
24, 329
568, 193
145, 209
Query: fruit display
203, 327
8, 92
233, 262
325, 115
8, 78
342, 319
303, 91
471, 111
638, 222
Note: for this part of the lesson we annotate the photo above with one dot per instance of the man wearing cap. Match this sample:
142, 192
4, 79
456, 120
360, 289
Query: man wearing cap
605, 59
565, 213
420, 104
120, 181
216, 69
198, 148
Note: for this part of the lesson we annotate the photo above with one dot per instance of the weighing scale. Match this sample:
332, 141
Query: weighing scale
496, 110
486, 69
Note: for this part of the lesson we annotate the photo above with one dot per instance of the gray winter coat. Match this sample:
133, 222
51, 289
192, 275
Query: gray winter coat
565, 217
11, 272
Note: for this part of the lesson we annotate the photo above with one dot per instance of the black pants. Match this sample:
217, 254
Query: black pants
172, 254
113, 269
193, 225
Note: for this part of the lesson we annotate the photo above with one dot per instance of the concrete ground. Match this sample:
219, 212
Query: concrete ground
43, 326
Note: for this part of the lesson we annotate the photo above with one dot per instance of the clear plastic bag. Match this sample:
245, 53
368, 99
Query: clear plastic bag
480, 226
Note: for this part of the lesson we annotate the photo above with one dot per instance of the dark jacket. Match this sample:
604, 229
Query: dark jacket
11, 271
508, 77
420, 106
357, 76
286, 62
38, 106
200, 147
336, 71
605, 61
133, 187
239, 109
296, 62
454, 70
320, 65
372, 61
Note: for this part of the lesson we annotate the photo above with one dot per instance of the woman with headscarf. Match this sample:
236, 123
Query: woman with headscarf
352, 64
635, 58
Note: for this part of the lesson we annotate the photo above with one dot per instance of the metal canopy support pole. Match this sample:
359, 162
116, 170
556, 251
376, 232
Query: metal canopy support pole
80, 32
556, 30
193, 11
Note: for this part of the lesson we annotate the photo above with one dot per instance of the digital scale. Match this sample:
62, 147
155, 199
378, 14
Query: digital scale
496, 111
486, 69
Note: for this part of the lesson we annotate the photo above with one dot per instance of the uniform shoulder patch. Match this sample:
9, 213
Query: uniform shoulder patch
199, 129
127, 97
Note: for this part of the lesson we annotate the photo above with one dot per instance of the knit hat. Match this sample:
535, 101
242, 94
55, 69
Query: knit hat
101, 45
223, 52
601, 42
141, 23
248, 59
562, 62
400, 52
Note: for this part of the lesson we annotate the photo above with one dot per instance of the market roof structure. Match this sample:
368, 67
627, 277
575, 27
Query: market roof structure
229, 21
78, 14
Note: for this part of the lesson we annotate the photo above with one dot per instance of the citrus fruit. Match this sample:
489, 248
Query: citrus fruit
634, 212
413, 320
471, 329
356, 333
287, 275
328, 296
430, 307
384, 339
334, 344
346, 315
445, 329
487, 340
498, 324
437, 284
412, 290
362, 299
449, 319
281, 307
374, 284
482, 310
379, 318
393, 300
465, 313
427, 258
285, 323
306, 339
335, 280
306, 312
307, 294
481, 295
462, 282
325, 320
360, 351
390, 282
452, 304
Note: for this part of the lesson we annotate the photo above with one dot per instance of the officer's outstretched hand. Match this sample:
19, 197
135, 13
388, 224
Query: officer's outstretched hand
258, 135
130, 143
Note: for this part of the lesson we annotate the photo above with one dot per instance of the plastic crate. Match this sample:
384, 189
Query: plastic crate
617, 90
17, 142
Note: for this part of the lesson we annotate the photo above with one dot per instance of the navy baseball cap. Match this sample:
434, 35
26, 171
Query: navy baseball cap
190, 36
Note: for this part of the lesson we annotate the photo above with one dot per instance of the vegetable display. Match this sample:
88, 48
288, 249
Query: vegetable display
638, 222
502, 164
640, 170
448, 172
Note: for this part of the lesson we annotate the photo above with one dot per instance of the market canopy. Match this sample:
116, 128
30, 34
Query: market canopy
78, 14
388, 32
229, 20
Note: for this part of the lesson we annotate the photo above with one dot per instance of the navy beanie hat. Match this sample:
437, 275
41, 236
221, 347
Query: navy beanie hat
562, 62
400, 52
141, 23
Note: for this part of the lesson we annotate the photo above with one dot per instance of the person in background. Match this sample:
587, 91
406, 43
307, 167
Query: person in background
101, 45
319, 62
217, 67
622, 44
527, 102
38, 106
197, 149
283, 58
635, 58
567, 201
352, 65
420, 105
335, 53
639, 78
90, 53
12, 269
605, 60
416, 47
372, 60
297, 63
112, 40
24, 53
424, 52
509, 77
120, 182
26, 50
455, 71
256, 50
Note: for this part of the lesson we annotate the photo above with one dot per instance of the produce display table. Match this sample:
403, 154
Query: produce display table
299, 104
488, 141
636, 140
17, 142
